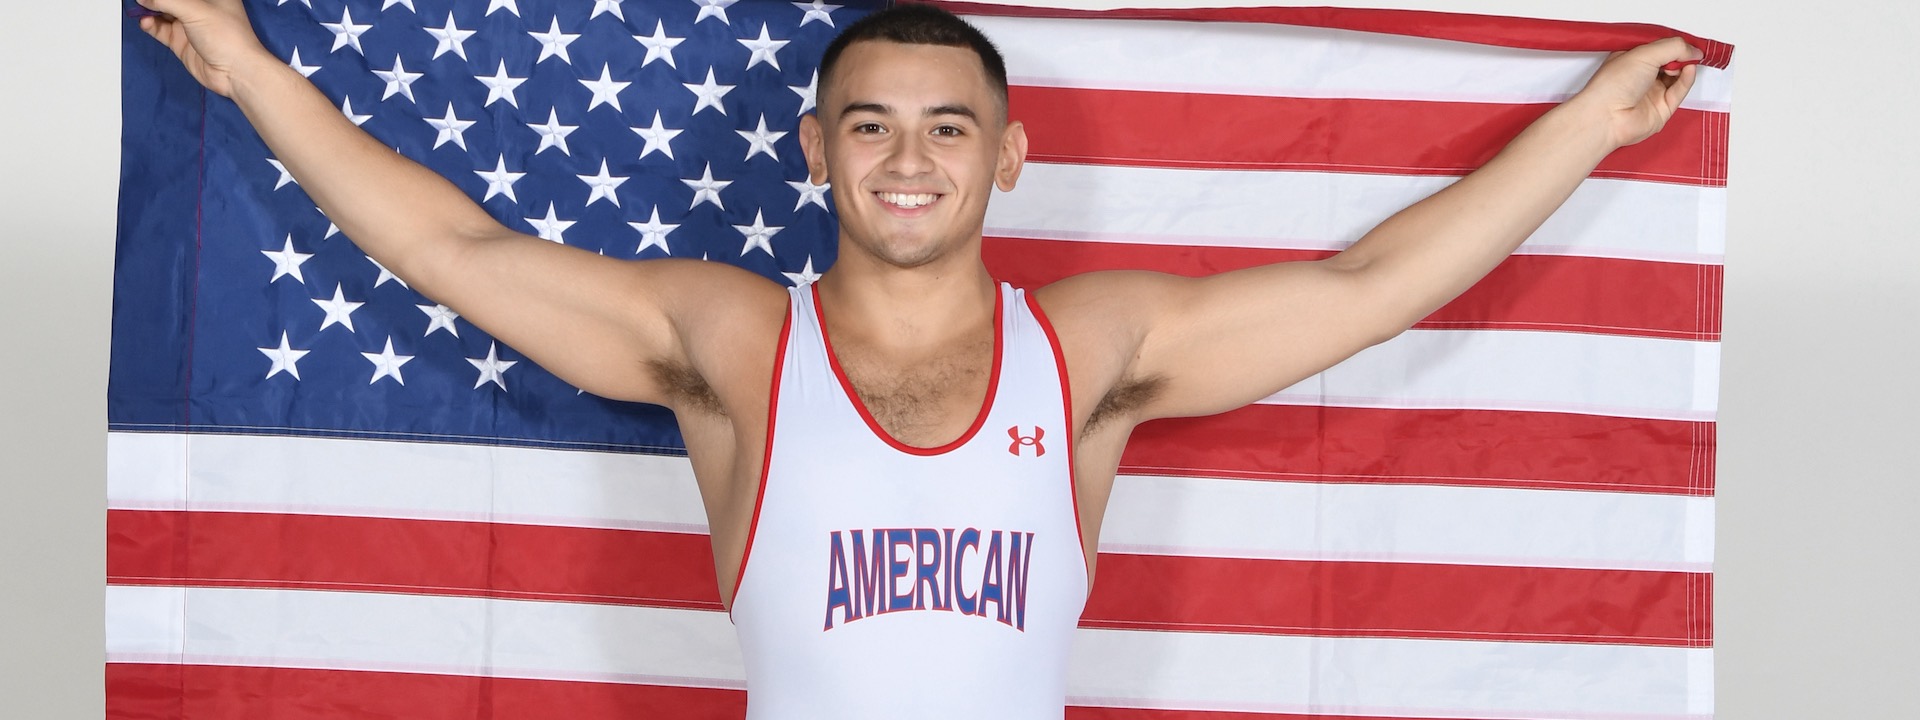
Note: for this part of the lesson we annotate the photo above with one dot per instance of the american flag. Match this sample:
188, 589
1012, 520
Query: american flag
331, 496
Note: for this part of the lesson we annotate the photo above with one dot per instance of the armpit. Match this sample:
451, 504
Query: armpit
686, 389
1129, 395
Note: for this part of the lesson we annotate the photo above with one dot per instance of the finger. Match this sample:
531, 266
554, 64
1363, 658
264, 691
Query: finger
1681, 85
1661, 52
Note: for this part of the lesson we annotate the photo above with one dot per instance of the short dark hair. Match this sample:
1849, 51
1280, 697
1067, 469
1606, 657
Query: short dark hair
920, 24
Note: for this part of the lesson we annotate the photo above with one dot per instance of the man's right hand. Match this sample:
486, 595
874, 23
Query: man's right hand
212, 38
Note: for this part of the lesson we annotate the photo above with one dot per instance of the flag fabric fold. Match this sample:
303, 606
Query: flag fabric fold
329, 495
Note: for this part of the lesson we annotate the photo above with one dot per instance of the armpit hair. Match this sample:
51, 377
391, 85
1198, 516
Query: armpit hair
1126, 397
686, 389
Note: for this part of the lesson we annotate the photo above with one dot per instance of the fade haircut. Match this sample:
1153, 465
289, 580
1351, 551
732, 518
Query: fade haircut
919, 24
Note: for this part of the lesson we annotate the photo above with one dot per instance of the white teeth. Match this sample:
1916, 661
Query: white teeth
907, 201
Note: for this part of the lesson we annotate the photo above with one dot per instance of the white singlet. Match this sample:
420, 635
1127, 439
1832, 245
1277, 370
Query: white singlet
882, 580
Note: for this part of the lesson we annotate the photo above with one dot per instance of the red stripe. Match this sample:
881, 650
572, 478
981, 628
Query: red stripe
1403, 600
1472, 448
220, 692
1529, 33
1525, 292
1133, 591
428, 557
1394, 137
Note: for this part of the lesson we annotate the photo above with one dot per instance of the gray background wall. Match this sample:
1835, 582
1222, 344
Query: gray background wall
1815, 573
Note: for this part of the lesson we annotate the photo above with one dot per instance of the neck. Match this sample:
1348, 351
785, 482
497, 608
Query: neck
905, 308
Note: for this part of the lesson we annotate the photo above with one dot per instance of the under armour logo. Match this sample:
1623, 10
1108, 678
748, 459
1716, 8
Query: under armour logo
1024, 440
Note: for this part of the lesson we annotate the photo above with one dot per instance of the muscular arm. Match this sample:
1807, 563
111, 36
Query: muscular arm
603, 324
1206, 345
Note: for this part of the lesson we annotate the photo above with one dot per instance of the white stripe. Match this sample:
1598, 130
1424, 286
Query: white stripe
1329, 211
1428, 524
375, 478
1172, 56
1374, 676
1160, 515
1519, 370
575, 641
422, 634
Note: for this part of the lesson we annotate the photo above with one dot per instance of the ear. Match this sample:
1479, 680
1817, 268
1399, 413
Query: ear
813, 142
1013, 156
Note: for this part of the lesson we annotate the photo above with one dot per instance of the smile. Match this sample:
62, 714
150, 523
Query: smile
907, 200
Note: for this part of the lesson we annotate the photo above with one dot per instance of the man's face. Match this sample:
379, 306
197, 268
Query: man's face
912, 139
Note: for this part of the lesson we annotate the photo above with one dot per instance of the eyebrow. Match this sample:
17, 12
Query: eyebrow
937, 110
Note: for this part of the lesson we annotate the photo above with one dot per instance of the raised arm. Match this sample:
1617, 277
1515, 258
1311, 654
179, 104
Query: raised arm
1206, 345
603, 324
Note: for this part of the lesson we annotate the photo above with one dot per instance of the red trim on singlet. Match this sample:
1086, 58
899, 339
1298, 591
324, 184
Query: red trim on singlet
1066, 400
986, 404
766, 457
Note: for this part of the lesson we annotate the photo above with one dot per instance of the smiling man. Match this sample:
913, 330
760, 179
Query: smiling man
905, 464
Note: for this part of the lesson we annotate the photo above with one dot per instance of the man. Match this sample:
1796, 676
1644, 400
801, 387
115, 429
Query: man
905, 465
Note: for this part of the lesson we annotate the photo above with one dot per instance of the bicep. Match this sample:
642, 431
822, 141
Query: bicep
1223, 341
599, 323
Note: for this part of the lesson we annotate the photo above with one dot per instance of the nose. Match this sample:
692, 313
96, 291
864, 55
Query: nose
908, 156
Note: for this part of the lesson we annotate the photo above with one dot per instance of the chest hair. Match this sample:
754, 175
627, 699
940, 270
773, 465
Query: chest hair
927, 402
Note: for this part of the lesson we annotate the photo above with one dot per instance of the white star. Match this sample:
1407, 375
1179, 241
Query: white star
338, 310
384, 4
345, 33
346, 108
659, 138
806, 274
285, 177
709, 93
713, 8
763, 49
759, 235
386, 275
817, 10
493, 5
386, 364
659, 45
304, 70
602, 185
286, 261
807, 93
308, 3
707, 189
398, 79
760, 140
451, 128
653, 233
332, 229
553, 134
605, 90
499, 181
551, 227
451, 38
501, 86
607, 6
440, 317
553, 43
284, 358
809, 193
491, 368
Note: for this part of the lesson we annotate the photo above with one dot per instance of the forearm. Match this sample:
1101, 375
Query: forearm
397, 211
1429, 253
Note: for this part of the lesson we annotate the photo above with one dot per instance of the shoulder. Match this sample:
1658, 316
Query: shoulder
727, 323
1101, 320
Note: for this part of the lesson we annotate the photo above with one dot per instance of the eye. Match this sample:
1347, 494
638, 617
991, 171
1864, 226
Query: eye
948, 131
868, 128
